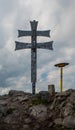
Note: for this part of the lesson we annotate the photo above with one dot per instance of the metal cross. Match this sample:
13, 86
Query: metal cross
34, 45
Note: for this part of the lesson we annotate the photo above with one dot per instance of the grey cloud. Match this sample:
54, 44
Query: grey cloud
16, 65
7, 6
66, 3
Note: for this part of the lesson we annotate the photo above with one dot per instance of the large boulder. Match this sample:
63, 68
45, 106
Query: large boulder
39, 112
44, 96
15, 93
69, 121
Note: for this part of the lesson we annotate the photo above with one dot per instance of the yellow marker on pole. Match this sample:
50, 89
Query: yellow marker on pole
61, 65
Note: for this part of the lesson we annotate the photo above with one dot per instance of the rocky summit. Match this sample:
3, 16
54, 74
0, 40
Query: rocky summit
24, 111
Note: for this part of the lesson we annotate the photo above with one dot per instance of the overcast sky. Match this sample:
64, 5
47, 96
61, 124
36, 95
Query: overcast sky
15, 66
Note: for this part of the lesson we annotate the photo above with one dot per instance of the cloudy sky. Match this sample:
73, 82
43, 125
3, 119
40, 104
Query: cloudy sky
15, 66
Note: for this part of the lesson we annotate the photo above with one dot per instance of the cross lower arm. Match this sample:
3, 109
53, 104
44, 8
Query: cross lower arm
45, 45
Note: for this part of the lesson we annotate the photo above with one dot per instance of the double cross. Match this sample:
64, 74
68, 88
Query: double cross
34, 45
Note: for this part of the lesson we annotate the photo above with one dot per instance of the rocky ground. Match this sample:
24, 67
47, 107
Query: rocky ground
24, 111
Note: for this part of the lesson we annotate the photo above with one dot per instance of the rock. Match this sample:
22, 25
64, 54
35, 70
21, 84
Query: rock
44, 95
22, 98
27, 120
69, 122
26, 127
58, 121
3, 102
15, 92
72, 98
50, 124
9, 120
63, 94
39, 112
3, 111
24, 111
68, 109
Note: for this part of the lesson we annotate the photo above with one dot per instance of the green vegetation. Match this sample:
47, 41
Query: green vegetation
66, 128
38, 101
10, 110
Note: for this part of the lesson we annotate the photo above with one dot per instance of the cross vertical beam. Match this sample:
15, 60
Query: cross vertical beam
61, 78
33, 55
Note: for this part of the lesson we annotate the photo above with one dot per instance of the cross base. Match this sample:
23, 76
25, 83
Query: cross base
33, 88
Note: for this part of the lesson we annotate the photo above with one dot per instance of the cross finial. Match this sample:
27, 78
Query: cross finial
34, 24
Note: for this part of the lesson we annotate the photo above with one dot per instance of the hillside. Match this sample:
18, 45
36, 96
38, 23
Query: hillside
23, 111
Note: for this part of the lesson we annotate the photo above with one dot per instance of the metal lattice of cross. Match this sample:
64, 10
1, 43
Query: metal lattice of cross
34, 45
